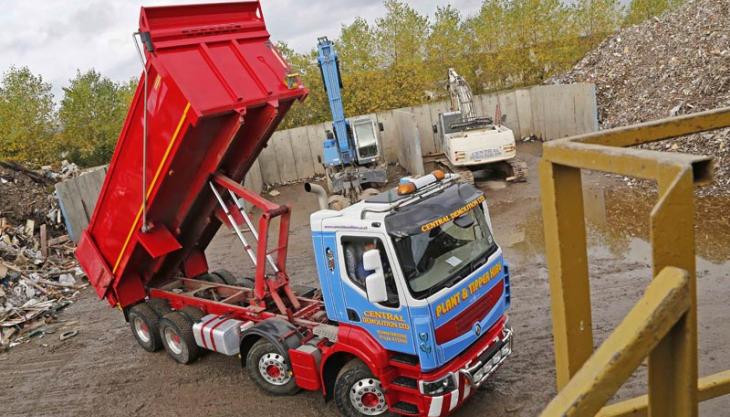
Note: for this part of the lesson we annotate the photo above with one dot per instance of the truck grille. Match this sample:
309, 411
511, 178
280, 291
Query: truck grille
465, 321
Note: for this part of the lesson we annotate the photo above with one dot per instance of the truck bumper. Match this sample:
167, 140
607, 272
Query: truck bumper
469, 371
472, 376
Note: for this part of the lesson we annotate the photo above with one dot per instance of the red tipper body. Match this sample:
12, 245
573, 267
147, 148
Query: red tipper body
217, 88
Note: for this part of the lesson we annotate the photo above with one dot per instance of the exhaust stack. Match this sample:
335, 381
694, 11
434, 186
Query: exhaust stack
320, 192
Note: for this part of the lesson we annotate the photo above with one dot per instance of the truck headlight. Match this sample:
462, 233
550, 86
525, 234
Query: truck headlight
439, 386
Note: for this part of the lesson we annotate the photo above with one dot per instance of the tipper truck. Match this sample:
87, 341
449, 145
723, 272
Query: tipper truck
410, 317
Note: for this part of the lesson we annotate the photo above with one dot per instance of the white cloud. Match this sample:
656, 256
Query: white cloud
54, 38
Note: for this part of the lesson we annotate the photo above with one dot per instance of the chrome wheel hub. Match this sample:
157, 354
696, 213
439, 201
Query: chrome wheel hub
143, 332
173, 341
274, 370
367, 397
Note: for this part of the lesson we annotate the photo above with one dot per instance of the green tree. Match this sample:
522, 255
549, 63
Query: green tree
357, 46
448, 46
640, 10
27, 120
92, 113
598, 18
401, 34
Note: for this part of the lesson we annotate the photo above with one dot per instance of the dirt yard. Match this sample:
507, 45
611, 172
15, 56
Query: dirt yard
103, 372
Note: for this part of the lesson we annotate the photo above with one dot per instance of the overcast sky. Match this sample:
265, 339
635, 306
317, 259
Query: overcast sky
54, 38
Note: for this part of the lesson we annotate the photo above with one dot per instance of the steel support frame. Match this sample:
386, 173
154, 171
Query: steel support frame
280, 281
673, 389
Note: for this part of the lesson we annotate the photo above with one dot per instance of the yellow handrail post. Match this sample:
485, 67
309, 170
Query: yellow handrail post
673, 363
567, 261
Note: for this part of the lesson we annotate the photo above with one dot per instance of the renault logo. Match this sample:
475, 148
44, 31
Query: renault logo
478, 329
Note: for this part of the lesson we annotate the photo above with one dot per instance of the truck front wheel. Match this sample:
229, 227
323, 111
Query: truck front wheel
270, 369
358, 393
176, 331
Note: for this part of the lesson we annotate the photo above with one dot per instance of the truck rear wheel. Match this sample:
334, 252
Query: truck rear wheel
176, 332
270, 369
160, 306
145, 327
358, 393
227, 276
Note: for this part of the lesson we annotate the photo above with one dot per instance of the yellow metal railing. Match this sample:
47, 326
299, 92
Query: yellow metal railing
586, 384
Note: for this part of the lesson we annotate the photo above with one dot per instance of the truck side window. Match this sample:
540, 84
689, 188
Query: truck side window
353, 249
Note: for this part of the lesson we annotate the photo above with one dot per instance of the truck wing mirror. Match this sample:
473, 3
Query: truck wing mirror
375, 282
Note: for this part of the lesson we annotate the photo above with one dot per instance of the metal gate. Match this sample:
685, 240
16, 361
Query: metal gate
663, 323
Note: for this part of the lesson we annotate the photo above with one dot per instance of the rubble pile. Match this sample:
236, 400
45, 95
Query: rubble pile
677, 63
27, 194
38, 272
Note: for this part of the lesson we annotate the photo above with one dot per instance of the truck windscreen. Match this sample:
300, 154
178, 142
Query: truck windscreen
444, 255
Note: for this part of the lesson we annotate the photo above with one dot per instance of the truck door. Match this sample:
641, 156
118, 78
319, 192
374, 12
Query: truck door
388, 322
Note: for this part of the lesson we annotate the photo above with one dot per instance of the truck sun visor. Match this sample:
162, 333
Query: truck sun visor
434, 211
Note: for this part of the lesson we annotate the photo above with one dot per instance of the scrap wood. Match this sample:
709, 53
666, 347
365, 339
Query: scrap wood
36, 177
36, 280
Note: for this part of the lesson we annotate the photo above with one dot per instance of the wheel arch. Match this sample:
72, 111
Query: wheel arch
282, 334
331, 366
352, 343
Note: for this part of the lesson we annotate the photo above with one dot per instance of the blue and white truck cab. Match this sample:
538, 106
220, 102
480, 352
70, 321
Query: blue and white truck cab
417, 271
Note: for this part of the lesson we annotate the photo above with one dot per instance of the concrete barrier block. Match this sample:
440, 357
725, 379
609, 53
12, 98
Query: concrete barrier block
302, 154
422, 116
524, 112
281, 142
268, 163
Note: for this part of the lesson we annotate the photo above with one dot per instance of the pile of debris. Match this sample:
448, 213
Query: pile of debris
673, 64
38, 272
38, 277
27, 194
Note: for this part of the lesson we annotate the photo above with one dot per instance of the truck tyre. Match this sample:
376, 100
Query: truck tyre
358, 393
145, 327
212, 278
160, 306
227, 277
176, 332
248, 282
269, 369
194, 314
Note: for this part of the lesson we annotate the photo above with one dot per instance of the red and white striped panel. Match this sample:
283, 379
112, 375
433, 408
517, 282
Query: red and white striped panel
444, 404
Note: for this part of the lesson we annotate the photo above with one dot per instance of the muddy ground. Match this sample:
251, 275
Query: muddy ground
103, 372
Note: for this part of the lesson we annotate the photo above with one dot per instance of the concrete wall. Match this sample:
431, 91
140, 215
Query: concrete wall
77, 199
546, 111
409, 141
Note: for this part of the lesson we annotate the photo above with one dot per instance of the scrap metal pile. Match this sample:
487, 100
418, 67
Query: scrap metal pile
673, 64
38, 272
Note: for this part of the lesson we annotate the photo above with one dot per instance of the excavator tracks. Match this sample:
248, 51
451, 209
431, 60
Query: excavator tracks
513, 170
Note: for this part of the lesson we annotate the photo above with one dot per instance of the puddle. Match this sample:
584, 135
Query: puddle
617, 222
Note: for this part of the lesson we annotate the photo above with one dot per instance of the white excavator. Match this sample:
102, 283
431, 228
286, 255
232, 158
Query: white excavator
470, 142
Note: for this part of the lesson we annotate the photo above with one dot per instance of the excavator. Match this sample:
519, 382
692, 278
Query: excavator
352, 155
471, 142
